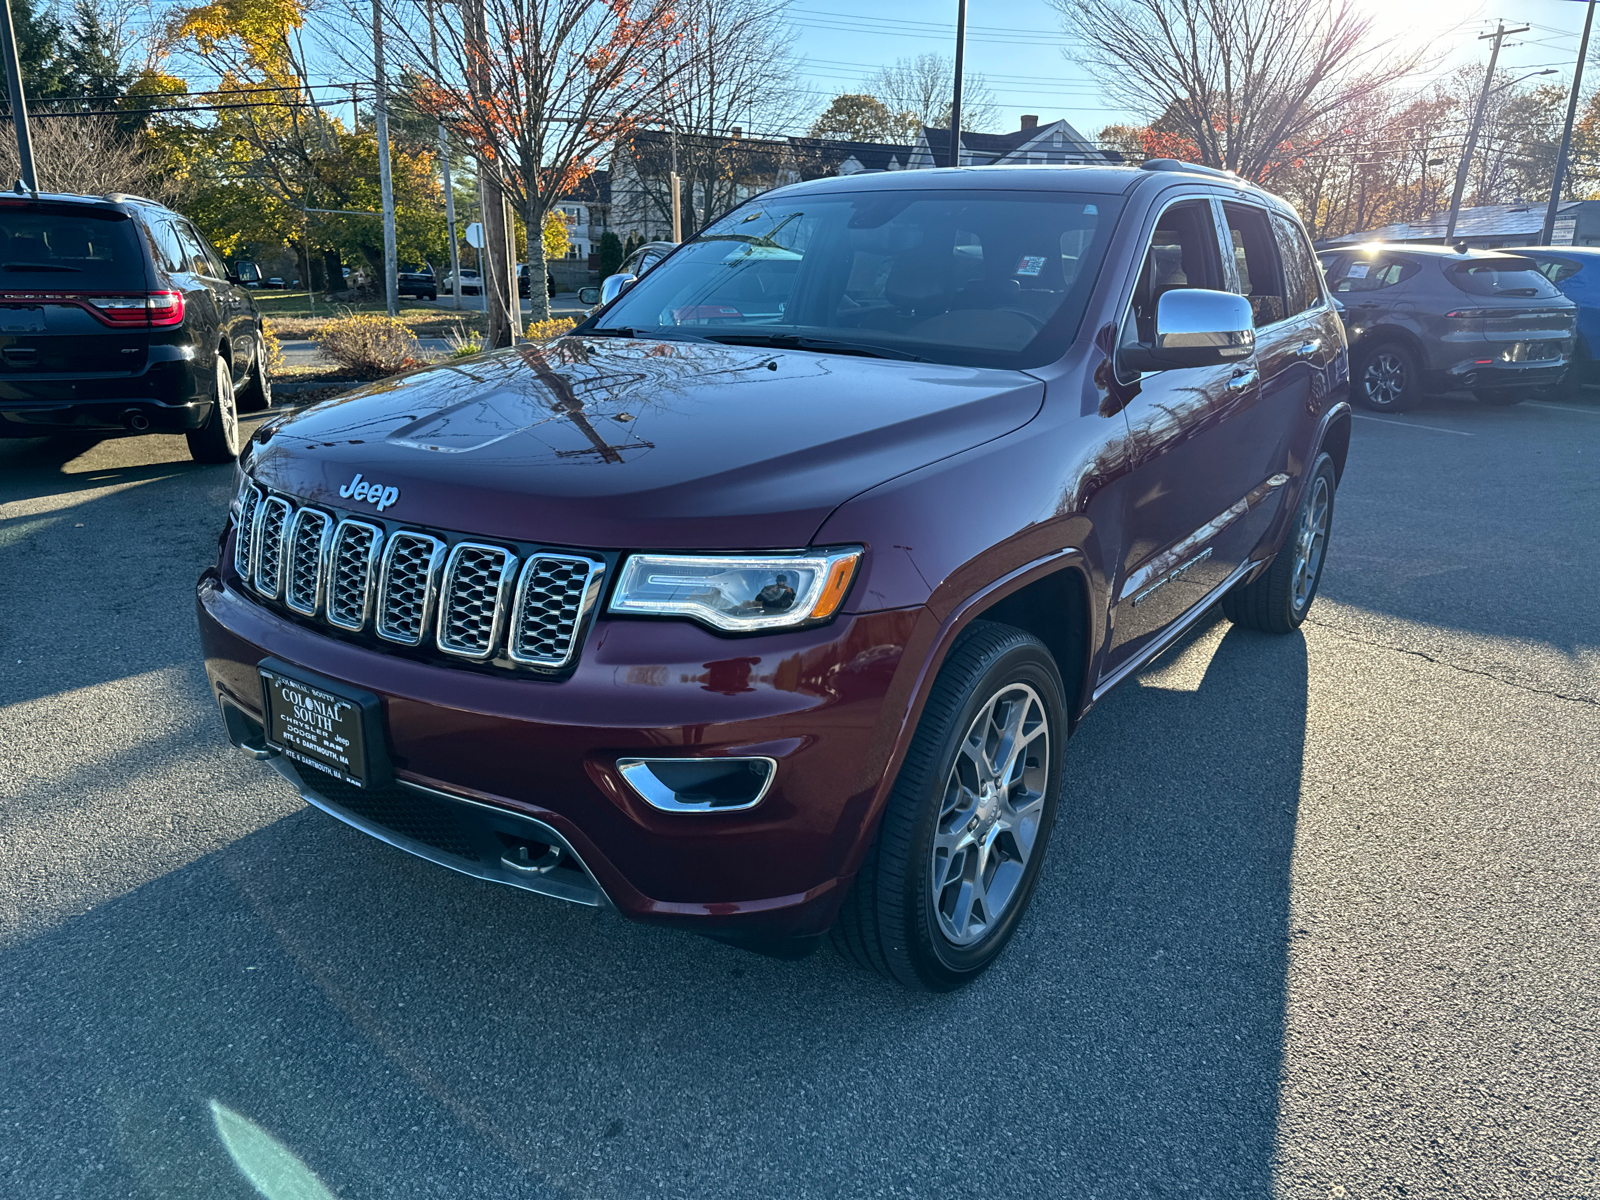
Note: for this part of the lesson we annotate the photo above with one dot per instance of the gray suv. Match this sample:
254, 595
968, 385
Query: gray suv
1434, 319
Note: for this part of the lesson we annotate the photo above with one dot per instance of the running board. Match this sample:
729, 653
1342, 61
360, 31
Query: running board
1174, 631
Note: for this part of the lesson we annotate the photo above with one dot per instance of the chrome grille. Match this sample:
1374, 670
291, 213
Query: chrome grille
552, 597
476, 580
406, 588
352, 570
309, 534
271, 519
476, 601
244, 537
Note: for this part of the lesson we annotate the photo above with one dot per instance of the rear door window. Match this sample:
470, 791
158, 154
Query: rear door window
69, 246
1501, 277
1255, 255
1302, 281
194, 249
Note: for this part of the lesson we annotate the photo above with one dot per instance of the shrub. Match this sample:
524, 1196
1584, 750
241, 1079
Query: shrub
545, 331
271, 348
610, 254
461, 342
370, 344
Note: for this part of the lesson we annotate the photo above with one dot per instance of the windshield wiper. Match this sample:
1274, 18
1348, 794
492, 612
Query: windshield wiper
796, 341
625, 331
24, 266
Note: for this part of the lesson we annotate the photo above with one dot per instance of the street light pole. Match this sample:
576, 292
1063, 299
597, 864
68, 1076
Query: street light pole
955, 100
1472, 134
1566, 134
19, 103
391, 278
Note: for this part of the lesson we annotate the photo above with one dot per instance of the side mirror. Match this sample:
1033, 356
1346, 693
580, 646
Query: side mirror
1196, 327
614, 286
589, 296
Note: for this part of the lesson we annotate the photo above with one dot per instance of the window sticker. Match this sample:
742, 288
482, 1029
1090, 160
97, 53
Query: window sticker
1357, 271
1030, 264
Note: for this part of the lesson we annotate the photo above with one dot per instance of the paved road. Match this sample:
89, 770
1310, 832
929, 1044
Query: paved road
1320, 922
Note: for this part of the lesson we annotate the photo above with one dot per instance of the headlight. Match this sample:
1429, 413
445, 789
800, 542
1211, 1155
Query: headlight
241, 481
738, 594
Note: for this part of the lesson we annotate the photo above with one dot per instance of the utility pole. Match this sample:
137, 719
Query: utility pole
1566, 134
449, 188
19, 102
391, 278
496, 259
1498, 35
955, 101
677, 191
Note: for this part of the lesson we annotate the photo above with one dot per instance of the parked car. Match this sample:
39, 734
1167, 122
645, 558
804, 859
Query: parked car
471, 283
416, 280
117, 316
1424, 319
276, 283
769, 626
636, 264
1575, 271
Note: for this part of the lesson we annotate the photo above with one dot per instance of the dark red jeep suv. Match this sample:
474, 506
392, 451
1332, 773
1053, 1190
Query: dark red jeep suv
763, 604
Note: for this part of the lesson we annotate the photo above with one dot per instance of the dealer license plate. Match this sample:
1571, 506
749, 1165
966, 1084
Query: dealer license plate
315, 726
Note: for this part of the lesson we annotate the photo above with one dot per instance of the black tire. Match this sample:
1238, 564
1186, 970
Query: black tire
1277, 600
256, 394
1387, 377
218, 440
893, 921
431, 296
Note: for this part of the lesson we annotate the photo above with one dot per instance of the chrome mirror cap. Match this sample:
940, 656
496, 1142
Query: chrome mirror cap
589, 296
614, 286
1218, 326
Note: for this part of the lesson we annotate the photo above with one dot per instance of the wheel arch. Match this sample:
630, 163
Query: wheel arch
1380, 334
1335, 439
1055, 609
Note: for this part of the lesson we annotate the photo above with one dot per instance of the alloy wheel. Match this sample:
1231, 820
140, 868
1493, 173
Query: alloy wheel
1384, 380
1311, 538
990, 812
227, 405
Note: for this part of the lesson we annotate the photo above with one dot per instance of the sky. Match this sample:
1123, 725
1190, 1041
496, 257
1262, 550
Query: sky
1033, 66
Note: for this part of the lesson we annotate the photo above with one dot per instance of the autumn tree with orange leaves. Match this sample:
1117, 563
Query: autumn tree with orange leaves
538, 89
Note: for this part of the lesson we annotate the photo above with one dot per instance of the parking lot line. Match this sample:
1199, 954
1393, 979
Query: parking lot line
1413, 425
1593, 412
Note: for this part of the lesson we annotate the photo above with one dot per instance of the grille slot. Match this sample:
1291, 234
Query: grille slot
271, 519
409, 579
477, 579
352, 571
553, 596
309, 535
244, 535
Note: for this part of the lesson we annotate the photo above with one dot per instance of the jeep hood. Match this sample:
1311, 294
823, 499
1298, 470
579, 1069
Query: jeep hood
608, 443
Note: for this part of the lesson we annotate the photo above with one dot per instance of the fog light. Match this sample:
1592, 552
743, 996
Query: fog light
699, 785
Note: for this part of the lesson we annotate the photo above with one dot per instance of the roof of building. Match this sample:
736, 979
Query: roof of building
996, 147
593, 188
1481, 221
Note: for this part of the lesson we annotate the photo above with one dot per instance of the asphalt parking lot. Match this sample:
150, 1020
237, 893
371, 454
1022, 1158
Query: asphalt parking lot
1320, 921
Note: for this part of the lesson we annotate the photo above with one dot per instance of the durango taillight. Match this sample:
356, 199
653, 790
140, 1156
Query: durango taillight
150, 309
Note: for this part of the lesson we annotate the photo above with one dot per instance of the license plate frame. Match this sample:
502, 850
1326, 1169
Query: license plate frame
328, 726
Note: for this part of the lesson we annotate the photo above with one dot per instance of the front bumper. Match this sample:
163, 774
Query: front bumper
828, 705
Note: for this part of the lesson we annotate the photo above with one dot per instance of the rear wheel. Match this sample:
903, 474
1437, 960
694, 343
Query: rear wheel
1278, 599
1387, 378
960, 844
217, 441
256, 395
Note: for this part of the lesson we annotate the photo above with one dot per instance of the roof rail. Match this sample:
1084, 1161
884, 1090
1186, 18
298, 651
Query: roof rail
1177, 164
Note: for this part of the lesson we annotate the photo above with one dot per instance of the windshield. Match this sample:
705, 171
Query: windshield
1502, 277
980, 278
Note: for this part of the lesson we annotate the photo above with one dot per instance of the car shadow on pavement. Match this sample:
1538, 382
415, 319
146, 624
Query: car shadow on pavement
396, 1030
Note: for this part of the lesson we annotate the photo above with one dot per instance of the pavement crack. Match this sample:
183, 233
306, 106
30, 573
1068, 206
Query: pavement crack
1553, 693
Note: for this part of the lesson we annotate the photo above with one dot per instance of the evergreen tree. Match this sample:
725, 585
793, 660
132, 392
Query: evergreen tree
38, 41
92, 62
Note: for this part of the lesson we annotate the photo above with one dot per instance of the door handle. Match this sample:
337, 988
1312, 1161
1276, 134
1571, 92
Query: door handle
1243, 379
1307, 349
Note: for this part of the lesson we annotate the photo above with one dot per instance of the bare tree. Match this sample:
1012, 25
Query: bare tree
540, 89
1250, 81
87, 155
922, 88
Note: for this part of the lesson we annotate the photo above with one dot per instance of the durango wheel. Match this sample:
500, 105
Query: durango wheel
958, 852
1386, 378
256, 394
217, 441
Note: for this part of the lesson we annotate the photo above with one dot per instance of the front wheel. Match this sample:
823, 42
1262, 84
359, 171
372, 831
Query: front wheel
961, 841
217, 441
1387, 378
1278, 599
256, 395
